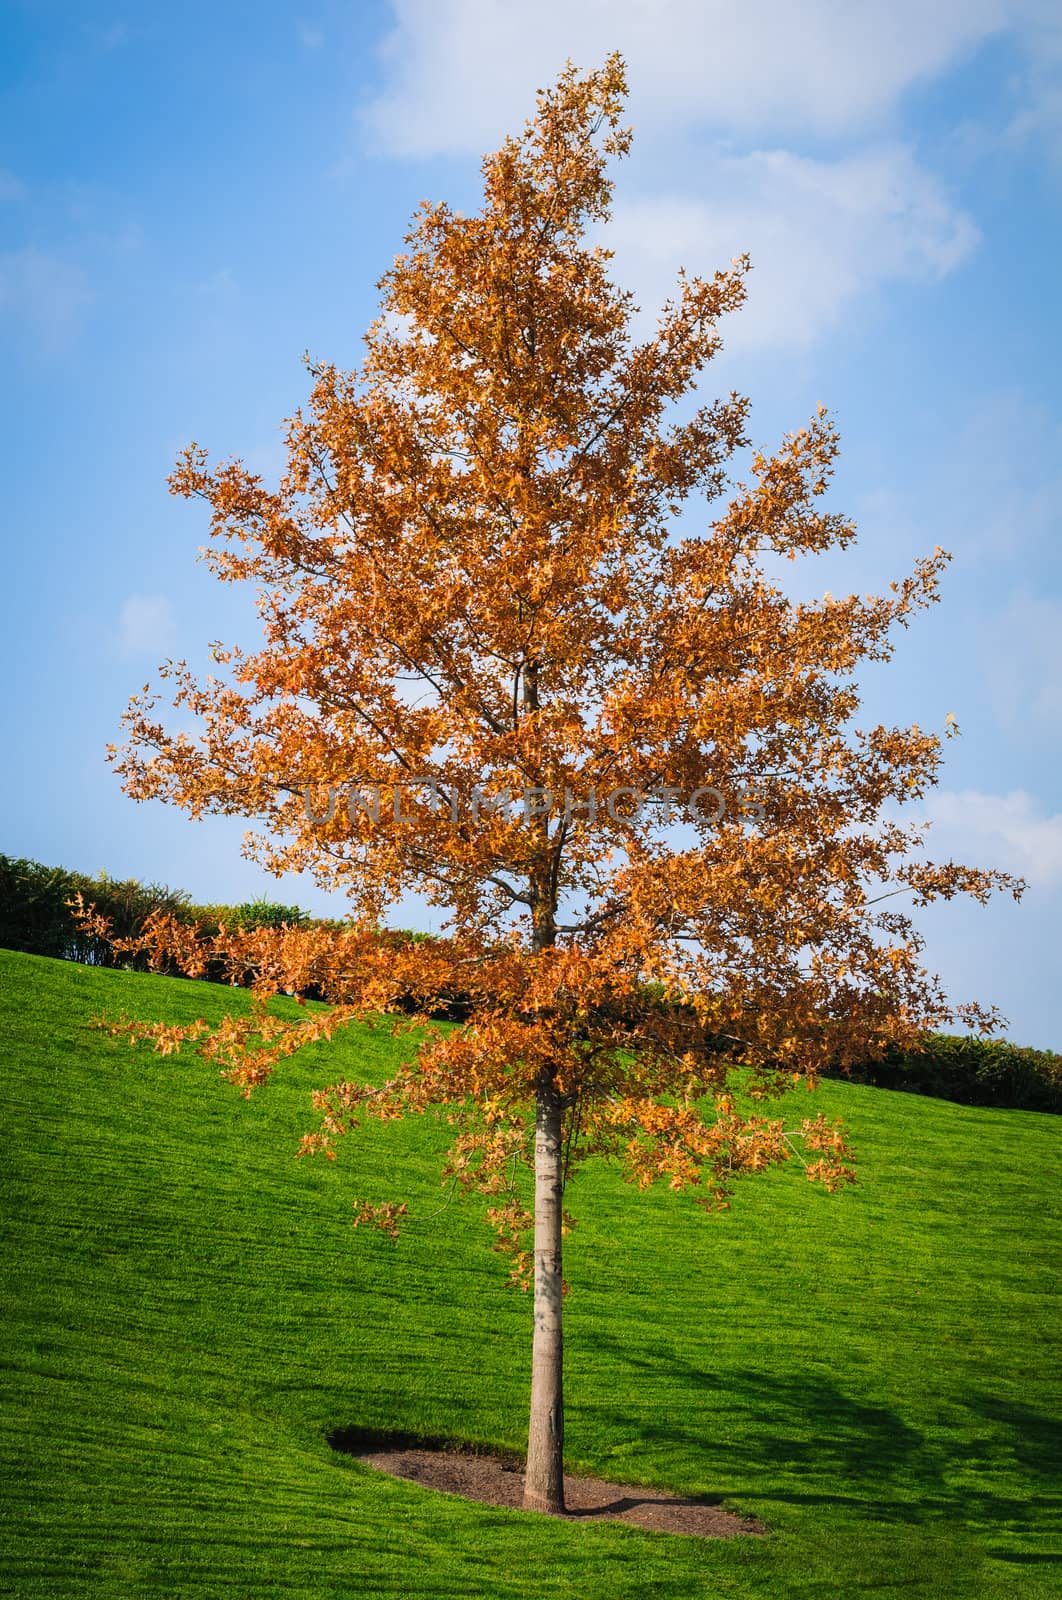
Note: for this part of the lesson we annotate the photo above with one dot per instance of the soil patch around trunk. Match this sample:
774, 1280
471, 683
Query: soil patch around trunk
499, 1481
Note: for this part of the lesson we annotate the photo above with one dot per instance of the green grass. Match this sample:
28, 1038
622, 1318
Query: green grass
188, 1313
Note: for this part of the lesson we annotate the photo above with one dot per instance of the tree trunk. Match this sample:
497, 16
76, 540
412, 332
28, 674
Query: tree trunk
544, 1484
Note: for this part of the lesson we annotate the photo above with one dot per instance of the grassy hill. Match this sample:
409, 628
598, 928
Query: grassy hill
188, 1314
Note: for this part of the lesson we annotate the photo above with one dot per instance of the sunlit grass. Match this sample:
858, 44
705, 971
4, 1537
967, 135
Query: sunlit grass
189, 1314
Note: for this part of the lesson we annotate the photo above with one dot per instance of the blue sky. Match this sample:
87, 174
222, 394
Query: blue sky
190, 198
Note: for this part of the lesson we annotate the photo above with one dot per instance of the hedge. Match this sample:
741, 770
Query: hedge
971, 1071
35, 917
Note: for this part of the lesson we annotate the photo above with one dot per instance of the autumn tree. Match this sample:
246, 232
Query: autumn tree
495, 670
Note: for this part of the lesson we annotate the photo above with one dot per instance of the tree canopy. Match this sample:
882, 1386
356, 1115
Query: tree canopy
504, 663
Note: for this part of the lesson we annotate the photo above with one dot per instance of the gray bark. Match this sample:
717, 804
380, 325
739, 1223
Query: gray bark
544, 1480
544, 1483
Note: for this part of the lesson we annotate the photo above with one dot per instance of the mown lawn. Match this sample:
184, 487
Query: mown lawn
188, 1314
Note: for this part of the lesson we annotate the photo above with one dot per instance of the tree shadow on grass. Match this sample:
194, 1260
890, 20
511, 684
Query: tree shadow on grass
803, 1440
1034, 1439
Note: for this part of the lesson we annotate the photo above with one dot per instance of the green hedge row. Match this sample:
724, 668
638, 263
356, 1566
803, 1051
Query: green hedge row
974, 1072
35, 917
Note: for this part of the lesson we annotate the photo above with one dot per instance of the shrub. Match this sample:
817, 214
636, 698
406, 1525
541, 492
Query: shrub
252, 914
36, 916
973, 1072
33, 911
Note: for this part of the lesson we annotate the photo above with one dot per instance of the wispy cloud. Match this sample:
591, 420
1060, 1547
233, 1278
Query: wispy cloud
819, 234
44, 292
1039, 114
146, 625
990, 492
219, 285
1010, 831
457, 68
822, 229
109, 36
1022, 653
1003, 480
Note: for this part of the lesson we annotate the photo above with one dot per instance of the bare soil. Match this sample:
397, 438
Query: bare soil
500, 1482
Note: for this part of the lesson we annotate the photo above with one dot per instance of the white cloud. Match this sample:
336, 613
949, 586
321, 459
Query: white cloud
463, 72
310, 38
1039, 113
146, 625
819, 233
45, 292
821, 230
1008, 831
11, 188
